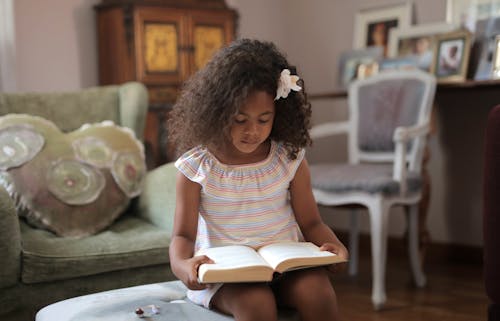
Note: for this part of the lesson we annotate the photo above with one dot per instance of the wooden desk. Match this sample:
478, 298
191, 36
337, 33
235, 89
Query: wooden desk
468, 85
441, 87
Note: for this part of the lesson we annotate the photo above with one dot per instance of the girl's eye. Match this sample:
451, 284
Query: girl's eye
239, 121
263, 121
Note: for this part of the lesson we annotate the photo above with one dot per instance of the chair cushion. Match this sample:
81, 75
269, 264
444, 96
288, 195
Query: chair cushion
130, 242
72, 184
370, 178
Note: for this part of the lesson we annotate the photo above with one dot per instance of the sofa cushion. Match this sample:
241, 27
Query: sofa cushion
72, 184
130, 242
68, 110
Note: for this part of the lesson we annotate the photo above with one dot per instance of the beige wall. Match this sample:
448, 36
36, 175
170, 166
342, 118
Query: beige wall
56, 50
55, 44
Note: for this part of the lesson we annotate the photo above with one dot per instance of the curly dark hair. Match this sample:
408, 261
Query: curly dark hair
212, 97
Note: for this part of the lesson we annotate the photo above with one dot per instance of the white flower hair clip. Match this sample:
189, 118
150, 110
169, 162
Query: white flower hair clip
286, 83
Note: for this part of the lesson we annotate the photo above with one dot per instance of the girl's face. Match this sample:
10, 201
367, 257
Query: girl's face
253, 123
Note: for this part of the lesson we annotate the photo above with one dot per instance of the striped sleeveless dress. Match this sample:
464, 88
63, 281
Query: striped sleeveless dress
241, 204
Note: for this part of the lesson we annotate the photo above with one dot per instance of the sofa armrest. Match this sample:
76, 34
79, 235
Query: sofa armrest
10, 241
133, 98
157, 201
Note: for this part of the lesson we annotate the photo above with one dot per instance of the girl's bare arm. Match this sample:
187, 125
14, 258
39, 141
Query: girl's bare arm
307, 213
182, 262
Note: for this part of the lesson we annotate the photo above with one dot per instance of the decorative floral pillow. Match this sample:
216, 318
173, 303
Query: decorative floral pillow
73, 184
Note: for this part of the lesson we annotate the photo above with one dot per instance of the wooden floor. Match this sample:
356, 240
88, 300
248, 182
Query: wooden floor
454, 292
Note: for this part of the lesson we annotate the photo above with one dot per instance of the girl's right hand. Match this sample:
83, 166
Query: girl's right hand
341, 251
190, 268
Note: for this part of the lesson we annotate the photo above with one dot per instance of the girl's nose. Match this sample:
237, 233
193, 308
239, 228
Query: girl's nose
250, 128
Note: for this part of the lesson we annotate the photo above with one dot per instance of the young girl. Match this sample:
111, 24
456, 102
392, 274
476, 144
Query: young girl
242, 123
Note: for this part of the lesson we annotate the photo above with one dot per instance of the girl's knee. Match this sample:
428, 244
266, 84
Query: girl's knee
317, 294
258, 300
310, 280
250, 302
312, 295
309, 288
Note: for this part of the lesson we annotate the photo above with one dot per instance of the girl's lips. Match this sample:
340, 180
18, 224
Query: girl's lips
249, 142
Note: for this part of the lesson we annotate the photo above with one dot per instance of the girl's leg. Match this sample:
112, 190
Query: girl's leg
311, 293
246, 301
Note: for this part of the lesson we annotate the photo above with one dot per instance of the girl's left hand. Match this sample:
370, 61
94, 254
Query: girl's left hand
341, 251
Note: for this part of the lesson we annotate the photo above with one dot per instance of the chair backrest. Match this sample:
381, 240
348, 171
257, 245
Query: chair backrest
125, 105
381, 103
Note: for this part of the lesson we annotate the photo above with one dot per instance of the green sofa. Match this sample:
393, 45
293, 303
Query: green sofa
39, 268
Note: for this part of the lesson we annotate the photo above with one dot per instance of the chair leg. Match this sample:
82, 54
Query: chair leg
379, 220
413, 247
354, 243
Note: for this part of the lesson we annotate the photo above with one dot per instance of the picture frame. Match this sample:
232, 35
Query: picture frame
365, 70
417, 42
495, 71
485, 42
351, 60
466, 13
451, 56
398, 63
372, 26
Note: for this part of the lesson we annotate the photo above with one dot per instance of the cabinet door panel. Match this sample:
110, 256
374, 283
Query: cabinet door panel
160, 34
207, 40
160, 50
209, 32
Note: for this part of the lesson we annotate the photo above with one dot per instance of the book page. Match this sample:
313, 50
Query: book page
232, 256
234, 263
283, 256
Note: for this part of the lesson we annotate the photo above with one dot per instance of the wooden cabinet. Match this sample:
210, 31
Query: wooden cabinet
160, 43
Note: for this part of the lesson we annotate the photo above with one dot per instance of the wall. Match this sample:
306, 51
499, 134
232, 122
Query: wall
56, 50
55, 44
262, 19
7, 47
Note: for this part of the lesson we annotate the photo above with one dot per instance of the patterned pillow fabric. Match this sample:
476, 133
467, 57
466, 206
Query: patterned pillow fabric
74, 184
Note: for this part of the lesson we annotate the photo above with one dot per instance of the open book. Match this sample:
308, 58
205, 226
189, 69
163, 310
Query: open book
239, 263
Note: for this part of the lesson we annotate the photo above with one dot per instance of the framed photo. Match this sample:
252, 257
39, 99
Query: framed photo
417, 42
366, 70
486, 45
372, 26
358, 62
495, 73
397, 64
466, 13
451, 56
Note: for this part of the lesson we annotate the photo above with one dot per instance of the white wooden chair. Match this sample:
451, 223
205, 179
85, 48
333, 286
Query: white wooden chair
388, 122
